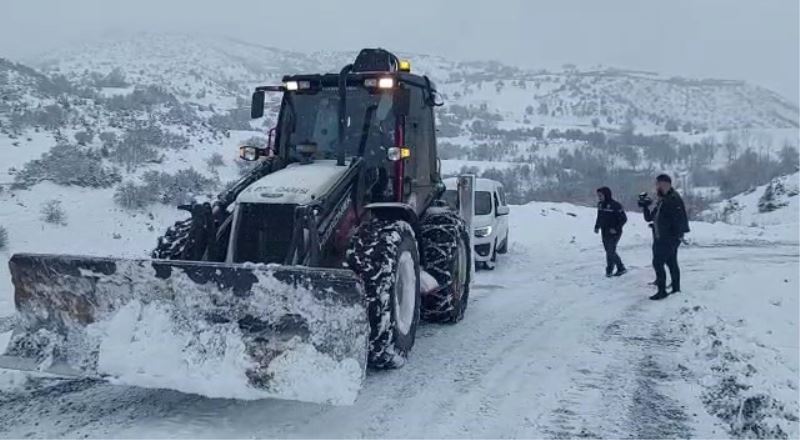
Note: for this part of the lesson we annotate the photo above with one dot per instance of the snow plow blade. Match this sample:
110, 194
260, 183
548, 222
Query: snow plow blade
223, 330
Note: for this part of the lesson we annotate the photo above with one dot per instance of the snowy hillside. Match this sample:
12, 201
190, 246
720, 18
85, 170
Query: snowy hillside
776, 203
199, 69
192, 92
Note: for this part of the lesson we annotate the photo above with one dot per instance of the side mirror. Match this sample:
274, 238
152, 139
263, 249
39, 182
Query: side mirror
251, 153
257, 105
503, 210
402, 101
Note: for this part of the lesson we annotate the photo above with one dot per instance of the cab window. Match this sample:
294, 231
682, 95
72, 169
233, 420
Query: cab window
483, 203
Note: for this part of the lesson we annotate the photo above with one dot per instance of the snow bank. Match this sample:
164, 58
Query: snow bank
742, 350
776, 203
540, 225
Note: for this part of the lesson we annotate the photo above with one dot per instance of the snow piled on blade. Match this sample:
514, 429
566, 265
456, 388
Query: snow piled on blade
223, 331
141, 345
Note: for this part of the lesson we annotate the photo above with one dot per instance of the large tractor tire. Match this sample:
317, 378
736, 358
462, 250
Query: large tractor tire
175, 242
188, 239
383, 253
447, 256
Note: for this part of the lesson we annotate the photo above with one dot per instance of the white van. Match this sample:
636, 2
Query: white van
490, 222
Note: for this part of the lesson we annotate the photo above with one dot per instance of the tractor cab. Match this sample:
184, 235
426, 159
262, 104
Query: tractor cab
375, 111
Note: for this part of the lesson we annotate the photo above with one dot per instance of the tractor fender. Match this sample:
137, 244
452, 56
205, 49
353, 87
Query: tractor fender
394, 211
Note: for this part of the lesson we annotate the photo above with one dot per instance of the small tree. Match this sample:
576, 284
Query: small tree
543, 109
732, 146
215, 160
84, 137
628, 129
789, 158
108, 138
130, 196
115, 78
53, 213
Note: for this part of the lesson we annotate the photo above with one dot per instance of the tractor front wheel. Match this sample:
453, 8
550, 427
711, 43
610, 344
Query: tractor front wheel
384, 254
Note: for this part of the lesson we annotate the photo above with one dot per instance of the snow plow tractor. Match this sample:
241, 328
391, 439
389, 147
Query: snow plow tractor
315, 265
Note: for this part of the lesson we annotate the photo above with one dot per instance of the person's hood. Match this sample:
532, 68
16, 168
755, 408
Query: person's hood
606, 192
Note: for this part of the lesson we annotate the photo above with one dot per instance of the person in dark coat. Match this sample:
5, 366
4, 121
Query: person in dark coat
670, 223
610, 220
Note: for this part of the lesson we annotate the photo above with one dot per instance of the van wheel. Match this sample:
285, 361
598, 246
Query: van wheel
503, 249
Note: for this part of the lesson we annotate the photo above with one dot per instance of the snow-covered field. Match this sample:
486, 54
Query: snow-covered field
549, 348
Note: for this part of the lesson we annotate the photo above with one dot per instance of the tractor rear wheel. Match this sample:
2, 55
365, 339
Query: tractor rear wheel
447, 256
384, 254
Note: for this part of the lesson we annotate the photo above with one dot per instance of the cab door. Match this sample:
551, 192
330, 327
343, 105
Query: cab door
421, 139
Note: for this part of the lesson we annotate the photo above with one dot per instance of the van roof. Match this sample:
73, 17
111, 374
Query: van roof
481, 184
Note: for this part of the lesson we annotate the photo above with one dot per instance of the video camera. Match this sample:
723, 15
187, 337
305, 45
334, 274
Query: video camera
644, 200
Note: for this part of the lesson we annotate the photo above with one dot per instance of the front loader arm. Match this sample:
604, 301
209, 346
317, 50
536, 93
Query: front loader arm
204, 235
268, 166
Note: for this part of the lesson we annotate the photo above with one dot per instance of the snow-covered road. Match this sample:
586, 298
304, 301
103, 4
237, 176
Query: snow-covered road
549, 348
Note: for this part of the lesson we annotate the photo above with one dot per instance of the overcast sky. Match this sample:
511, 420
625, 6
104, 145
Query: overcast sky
755, 40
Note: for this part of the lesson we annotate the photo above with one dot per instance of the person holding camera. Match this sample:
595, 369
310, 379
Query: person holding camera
610, 220
669, 223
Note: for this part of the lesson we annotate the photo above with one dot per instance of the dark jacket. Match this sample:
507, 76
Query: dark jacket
610, 214
669, 217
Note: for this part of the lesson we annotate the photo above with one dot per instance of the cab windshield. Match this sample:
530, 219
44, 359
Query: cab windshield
312, 118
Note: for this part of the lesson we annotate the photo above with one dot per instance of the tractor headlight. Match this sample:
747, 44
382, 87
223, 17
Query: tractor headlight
393, 154
396, 153
297, 85
483, 232
381, 83
386, 83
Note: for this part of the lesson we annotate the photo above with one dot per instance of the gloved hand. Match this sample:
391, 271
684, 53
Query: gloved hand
596, 230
